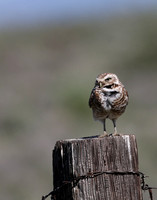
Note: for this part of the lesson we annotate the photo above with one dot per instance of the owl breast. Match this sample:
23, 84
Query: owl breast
108, 103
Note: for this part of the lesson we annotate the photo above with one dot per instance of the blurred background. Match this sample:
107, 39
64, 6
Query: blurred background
50, 55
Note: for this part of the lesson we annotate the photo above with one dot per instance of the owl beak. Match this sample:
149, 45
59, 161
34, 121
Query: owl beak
100, 84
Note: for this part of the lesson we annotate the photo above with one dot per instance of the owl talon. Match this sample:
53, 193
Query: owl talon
103, 135
116, 134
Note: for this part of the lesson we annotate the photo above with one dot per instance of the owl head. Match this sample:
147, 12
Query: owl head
107, 80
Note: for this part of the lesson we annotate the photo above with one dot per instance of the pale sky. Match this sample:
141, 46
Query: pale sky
39, 11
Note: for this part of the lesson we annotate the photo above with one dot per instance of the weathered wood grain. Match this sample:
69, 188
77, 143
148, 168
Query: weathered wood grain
77, 157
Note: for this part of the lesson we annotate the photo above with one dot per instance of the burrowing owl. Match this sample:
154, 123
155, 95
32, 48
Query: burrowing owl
108, 99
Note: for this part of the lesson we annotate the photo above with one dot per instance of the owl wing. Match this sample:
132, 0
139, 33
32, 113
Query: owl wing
91, 99
94, 98
119, 102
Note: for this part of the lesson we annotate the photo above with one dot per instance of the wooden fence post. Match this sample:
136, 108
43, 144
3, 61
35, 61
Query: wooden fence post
75, 158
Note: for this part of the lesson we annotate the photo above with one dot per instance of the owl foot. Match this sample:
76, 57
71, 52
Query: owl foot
116, 134
103, 135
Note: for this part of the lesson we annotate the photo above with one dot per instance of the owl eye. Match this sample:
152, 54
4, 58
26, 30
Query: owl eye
107, 79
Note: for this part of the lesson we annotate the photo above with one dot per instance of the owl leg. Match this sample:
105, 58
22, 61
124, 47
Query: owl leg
115, 128
104, 134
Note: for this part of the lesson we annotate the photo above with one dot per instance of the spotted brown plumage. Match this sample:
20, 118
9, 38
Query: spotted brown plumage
108, 99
